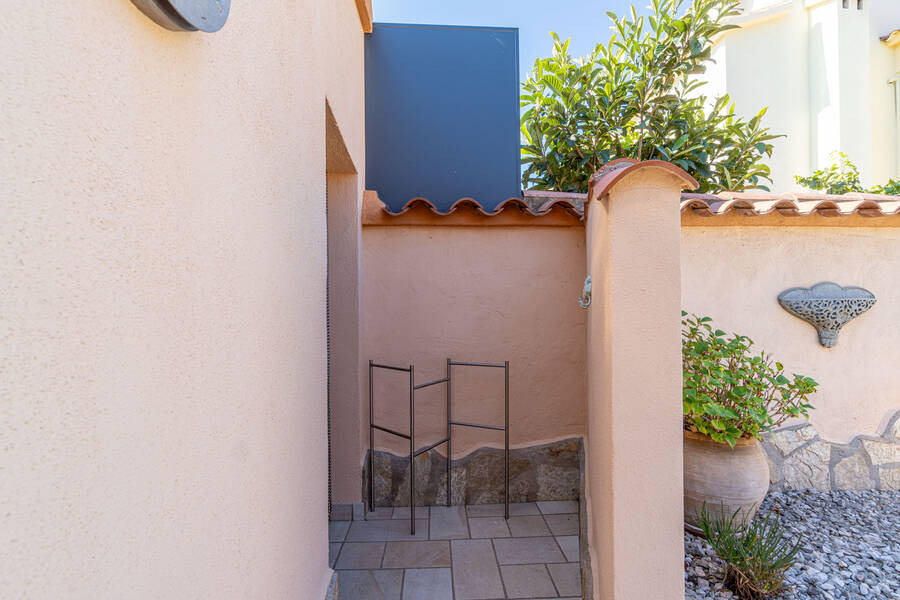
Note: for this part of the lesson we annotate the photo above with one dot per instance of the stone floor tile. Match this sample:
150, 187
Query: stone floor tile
567, 578
527, 581
523, 509
558, 507
360, 555
562, 524
337, 530
380, 512
496, 510
484, 510
528, 526
448, 523
488, 527
333, 549
383, 530
341, 511
427, 584
390, 582
475, 571
571, 547
402, 512
416, 555
370, 585
527, 551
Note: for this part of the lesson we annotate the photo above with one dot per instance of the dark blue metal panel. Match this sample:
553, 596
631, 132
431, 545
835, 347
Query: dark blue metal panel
442, 113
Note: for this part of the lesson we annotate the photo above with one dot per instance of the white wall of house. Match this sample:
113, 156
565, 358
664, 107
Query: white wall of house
825, 77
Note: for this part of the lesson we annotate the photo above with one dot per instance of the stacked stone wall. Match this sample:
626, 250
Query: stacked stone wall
800, 459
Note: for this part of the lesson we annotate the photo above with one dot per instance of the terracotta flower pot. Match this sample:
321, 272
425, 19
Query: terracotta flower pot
728, 480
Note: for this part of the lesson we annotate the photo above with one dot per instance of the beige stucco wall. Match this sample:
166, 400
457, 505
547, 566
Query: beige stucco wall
634, 459
162, 338
734, 275
482, 294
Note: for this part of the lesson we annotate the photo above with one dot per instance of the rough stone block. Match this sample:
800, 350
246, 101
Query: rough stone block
788, 440
882, 453
853, 473
890, 478
808, 468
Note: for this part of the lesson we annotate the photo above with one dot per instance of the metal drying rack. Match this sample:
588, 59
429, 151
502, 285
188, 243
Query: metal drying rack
449, 437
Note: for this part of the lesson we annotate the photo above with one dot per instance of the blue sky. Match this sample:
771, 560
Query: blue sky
584, 21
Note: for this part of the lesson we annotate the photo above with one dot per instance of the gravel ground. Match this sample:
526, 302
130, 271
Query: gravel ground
851, 547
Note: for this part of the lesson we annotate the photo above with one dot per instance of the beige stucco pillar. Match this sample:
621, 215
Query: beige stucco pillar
634, 381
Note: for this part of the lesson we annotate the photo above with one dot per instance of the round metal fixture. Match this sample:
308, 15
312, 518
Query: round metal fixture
186, 15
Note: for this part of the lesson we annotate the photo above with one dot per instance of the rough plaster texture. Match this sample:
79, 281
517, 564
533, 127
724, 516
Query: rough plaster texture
162, 320
634, 366
476, 294
734, 275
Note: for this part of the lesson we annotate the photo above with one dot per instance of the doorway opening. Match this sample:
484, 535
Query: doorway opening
342, 314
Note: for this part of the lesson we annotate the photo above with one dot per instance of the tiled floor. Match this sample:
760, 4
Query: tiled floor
459, 553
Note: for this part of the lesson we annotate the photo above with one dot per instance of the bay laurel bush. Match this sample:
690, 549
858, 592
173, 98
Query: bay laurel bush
756, 555
636, 97
730, 391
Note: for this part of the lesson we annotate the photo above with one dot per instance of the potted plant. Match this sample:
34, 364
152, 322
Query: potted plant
731, 395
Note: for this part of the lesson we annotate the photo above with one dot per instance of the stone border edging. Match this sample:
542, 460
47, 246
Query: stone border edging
800, 459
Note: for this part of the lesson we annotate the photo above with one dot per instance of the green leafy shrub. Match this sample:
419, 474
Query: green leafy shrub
891, 188
843, 177
756, 555
634, 97
730, 392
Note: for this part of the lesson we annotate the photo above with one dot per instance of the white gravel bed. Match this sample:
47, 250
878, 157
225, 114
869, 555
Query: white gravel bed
851, 547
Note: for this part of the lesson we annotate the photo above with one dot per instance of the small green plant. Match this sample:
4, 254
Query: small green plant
637, 97
891, 188
843, 177
756, 555
730, 392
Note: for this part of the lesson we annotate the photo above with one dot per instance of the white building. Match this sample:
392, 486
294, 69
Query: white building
827, 70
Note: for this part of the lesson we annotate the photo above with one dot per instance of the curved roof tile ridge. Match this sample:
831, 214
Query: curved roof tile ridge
547, 207
564, 204
750, 203
755, 203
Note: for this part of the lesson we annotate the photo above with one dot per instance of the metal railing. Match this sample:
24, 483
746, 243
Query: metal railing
413, 453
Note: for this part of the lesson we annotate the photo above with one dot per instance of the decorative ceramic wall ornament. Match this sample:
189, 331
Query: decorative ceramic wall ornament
827, 307
585, 299
186, 15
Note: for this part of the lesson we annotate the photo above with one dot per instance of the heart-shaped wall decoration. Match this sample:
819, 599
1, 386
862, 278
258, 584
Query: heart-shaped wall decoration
827, 307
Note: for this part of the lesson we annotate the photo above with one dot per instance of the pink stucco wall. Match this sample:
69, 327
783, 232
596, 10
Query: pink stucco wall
634, 475
477, 294
496, 293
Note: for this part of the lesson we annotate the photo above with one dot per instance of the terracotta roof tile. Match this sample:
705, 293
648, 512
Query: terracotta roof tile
609, 174
553, 204
754, 204
538, 203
